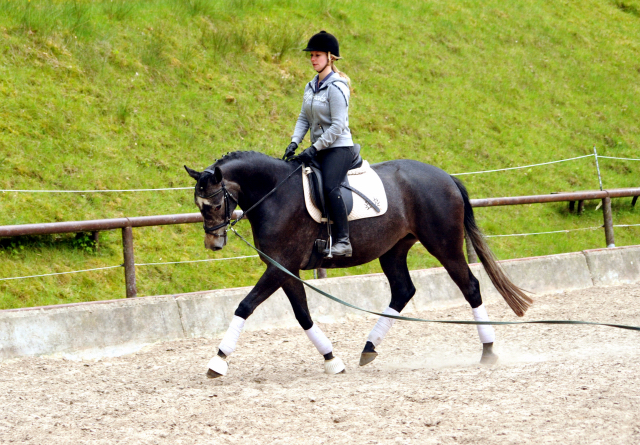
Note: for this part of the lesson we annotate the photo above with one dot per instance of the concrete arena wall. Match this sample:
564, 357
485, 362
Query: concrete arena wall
111, 328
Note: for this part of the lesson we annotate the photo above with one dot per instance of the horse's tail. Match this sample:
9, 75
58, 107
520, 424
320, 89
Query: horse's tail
515, 297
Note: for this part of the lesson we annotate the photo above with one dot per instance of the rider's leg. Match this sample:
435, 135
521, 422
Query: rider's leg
298, 299
334, 164
340, 232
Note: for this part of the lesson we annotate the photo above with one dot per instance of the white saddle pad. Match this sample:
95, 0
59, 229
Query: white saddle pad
363, 179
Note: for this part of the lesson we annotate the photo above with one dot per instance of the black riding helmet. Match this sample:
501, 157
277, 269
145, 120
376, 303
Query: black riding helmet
325, 42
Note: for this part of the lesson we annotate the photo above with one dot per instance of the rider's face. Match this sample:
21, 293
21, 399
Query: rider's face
319, 60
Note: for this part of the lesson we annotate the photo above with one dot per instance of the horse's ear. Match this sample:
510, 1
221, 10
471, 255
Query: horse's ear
194, 174
217, 175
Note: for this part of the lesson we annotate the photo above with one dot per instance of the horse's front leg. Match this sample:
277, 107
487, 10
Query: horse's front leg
269, 282
298, 299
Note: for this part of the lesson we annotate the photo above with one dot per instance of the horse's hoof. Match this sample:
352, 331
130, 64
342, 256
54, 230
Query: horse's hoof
212, 374
217, 367
367, 357
488, 359
334, 366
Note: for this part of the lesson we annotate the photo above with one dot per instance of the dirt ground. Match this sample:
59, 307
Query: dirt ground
553, 384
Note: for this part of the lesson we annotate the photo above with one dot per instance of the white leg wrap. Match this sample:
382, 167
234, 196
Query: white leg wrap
319, 340
230, 339
486, 332
382, 327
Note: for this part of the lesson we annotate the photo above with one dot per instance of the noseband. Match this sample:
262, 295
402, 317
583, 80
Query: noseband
228, 196
227, 212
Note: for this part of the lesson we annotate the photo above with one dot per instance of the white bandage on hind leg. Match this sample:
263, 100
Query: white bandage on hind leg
319, 340
382, 327
486, 332
230, 339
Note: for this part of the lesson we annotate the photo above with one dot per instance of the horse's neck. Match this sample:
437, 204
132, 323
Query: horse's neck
256, 180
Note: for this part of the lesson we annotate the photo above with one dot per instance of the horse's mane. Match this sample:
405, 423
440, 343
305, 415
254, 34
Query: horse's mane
249, 155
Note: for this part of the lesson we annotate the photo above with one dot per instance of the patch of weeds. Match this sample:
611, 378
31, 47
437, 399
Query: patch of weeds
22, 244
224, 38
197, 7
123, 111
282, 40
76, 18
84, 241
38, 18
241, 4
628, 8
118, 9
153, 52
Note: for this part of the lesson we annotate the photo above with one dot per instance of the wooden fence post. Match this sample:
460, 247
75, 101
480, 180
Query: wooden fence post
608, 222
322, 273
129, 262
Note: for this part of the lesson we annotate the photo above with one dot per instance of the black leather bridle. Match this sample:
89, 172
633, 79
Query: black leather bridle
227, 197
227, 208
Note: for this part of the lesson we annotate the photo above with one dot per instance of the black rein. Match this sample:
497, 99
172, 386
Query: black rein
227, 212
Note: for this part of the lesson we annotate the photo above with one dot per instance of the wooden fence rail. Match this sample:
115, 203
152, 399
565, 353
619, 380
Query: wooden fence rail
127, 224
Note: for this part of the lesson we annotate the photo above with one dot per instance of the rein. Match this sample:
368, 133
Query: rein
231, 225
227, 212
400, 317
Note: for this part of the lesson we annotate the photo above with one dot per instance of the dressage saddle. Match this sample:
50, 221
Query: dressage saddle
315, 185
317, 196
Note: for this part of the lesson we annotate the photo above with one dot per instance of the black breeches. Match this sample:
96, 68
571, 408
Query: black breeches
334, 164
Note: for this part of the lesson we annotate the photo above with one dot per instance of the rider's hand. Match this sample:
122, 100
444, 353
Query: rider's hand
290, 151
307, 156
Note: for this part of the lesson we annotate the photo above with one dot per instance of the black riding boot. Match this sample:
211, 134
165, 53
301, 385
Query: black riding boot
340, 230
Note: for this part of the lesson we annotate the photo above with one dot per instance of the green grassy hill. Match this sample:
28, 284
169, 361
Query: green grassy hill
112, 94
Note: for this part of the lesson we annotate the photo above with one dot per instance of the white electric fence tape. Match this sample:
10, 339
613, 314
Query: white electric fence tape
190, 188
382, 327
230, 339
319, 340
137, 264
98, 191
60, 273
198, 261
544, 233
485, 332
522, 166
613, 157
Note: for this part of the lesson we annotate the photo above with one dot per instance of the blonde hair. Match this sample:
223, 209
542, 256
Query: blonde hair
332, 59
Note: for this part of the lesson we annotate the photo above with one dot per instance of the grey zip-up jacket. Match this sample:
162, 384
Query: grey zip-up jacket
325, 113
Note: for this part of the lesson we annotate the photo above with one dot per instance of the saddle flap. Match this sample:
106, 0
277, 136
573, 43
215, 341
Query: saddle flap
317, 195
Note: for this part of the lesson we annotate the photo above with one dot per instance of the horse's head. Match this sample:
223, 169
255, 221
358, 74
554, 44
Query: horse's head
216, 202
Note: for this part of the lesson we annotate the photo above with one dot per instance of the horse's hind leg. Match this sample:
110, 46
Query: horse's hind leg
394, 265
453, 260
298, 299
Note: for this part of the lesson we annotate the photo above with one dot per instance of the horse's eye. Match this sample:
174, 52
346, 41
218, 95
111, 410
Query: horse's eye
218, 207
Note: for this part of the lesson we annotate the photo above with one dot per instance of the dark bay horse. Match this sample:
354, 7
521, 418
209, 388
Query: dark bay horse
425, 204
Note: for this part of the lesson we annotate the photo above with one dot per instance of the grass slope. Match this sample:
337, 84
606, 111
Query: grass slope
117, 94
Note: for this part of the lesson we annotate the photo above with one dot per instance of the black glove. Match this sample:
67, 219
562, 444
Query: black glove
290, 151
307, 156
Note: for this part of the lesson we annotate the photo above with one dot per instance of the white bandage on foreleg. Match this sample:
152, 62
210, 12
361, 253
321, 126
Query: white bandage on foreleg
230, 339
486, 332
382, 327
319, 340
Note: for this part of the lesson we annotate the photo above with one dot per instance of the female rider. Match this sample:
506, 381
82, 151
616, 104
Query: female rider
325, 113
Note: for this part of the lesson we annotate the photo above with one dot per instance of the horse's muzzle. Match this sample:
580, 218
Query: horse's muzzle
215, 242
